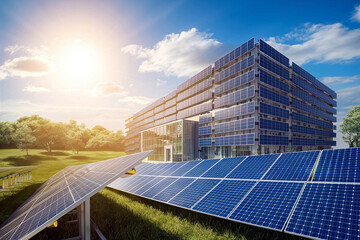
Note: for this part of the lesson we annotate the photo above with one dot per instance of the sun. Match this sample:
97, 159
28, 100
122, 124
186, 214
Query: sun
79, 63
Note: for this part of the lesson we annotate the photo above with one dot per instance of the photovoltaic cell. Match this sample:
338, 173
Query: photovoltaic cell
339, 165
224, 197
253, 167
268, 204
327, 211
295, 166
196, 190
63, 192
148, 185
151, 192
173, 189
223, 168
185, 168
201, 168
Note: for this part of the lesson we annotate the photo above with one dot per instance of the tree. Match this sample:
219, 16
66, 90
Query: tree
6, 133
74, 141
23, 137
351, 127
49, 134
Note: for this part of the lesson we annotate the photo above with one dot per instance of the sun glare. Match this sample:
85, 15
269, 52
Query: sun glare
79, 63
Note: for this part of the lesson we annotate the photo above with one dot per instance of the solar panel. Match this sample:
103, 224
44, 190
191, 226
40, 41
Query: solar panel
268, 204
295, 166
185, 168
339, 165
173, 189
327, 211
201, 168
224, 197
194, 192
63, 192
223, 167
253, 167
151, 192
148, 185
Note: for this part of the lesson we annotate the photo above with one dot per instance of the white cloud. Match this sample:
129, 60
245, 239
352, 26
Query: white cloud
349, 95
339, 80
356, 15
178, 54
105, 89
160, 82
32, 62
136, 100
35, 89
320, 43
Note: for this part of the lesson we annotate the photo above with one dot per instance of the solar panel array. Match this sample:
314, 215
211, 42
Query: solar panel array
313, 194
63, 192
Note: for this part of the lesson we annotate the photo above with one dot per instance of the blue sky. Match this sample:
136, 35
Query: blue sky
98, 62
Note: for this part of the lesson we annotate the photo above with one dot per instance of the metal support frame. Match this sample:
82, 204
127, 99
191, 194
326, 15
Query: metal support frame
84, 220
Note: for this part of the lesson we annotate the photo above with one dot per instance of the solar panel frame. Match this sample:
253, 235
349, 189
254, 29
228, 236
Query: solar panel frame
24, 232
338, 166
249, 202
320, 216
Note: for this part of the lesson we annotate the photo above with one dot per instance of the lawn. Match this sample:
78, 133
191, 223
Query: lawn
119, 215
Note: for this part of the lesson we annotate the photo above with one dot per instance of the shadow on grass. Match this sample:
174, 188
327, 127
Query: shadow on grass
55, 153
10, 201
118, 222
217, 224
26, 160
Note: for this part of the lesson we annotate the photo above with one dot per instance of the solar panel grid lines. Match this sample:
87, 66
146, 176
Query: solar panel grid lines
193, 192
223, 197
339, 165
170, 191
295, 166
185, 168
55, 204
229, 172
262, 177
151, 192
201, 168
224, 167
268, 204
198, 171
148, 184
327, 211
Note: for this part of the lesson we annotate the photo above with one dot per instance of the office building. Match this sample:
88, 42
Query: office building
251, 101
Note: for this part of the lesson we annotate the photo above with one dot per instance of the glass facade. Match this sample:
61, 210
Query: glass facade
168, 141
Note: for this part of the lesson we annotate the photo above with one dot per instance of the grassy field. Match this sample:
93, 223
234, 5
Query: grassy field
119, 215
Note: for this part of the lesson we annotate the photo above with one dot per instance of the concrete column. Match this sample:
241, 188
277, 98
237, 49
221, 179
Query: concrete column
7, 181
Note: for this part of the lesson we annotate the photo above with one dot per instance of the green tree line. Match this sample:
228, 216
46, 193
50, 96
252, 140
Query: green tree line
41, 133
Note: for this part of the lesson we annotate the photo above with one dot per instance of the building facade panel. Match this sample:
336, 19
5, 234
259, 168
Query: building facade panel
250, 101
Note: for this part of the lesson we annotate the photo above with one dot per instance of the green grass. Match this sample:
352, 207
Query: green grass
120, 215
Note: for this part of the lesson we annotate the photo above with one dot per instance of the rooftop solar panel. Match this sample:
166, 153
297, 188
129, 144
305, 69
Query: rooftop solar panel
295, 166
339, 165
224, 197
268, 204
253, 167
327, 211
63, 192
